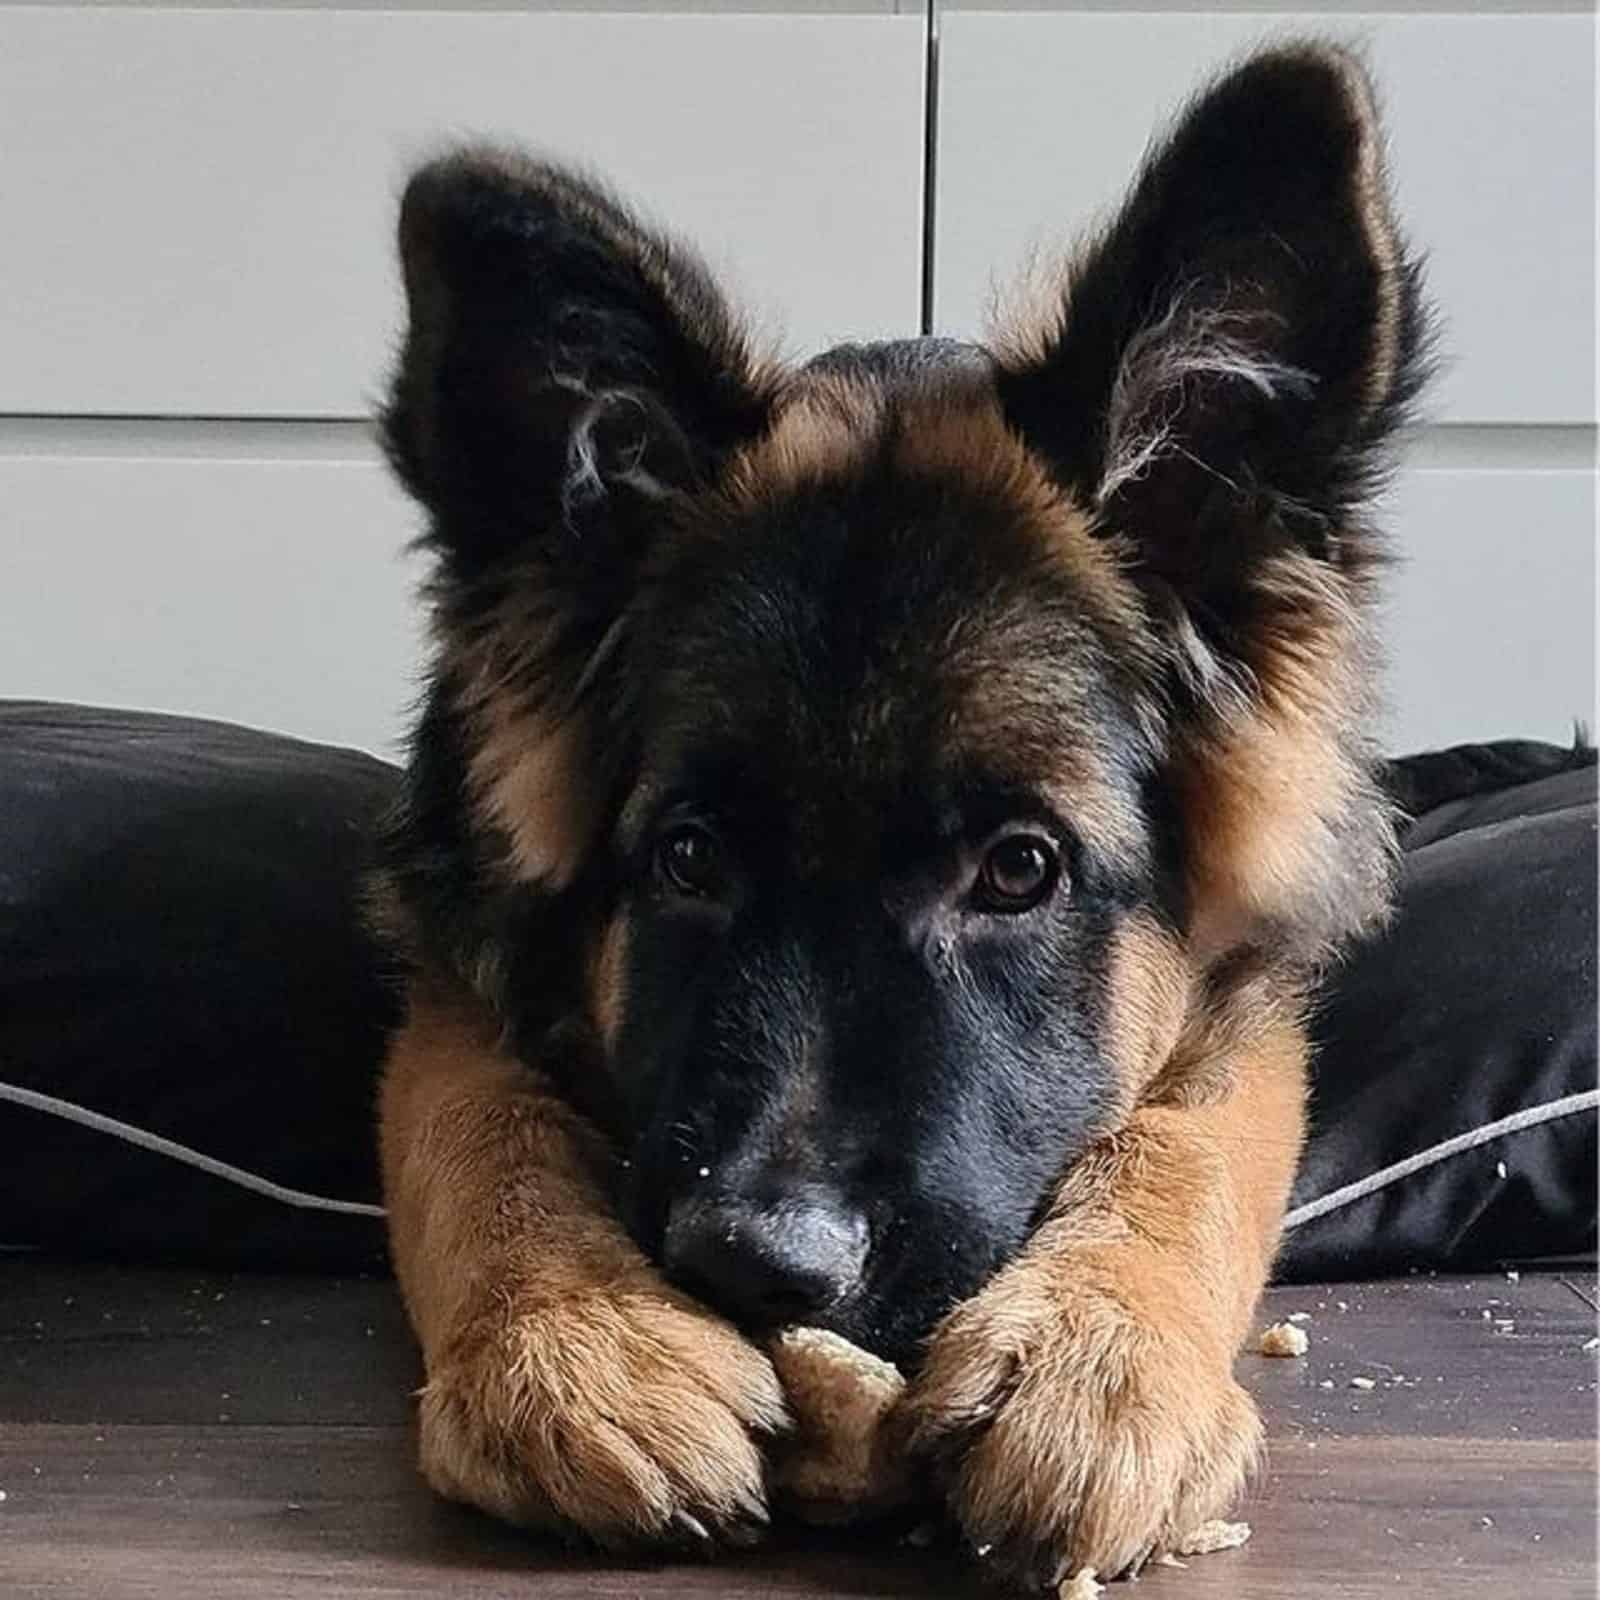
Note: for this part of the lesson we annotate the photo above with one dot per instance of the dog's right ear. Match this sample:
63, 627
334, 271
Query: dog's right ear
565, 369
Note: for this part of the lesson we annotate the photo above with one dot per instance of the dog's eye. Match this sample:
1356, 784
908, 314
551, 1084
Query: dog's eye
1017, 873
690, 862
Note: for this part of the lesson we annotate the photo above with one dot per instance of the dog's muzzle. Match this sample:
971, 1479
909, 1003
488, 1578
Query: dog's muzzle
769, 1261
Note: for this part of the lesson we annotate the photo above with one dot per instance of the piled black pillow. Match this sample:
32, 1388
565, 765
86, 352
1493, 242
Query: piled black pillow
1454, 1111
181, 949
192, 1015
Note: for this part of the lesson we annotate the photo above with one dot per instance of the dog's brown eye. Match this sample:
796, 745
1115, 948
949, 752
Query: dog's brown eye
1017, 873
690, 862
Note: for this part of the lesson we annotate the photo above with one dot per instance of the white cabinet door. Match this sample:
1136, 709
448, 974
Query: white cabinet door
1491, 621
1043, 118
198, 218
199, 204
258, 585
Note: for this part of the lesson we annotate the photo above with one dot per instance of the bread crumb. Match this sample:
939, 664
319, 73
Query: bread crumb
1363, 1383
1082, 1585
1212, 1536
1284, 1339
1298, 1316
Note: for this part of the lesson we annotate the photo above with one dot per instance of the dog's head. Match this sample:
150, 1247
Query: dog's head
850, 782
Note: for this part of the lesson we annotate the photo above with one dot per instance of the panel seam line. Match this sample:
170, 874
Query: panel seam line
930, 157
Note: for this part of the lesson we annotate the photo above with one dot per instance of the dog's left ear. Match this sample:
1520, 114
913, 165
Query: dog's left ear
1216, 382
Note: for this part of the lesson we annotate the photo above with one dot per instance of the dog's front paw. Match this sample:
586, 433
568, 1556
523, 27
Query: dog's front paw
1069, 1430
626, 1415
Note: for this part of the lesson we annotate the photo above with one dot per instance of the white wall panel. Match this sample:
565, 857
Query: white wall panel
1491, 621
261, 591
199, 204
1043, 117
199, 207
274, 592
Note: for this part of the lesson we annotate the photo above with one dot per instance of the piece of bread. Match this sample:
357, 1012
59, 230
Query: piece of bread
829, 1468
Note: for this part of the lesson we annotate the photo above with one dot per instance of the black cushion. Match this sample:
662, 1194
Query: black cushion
181, 949
1453, 1117
192, 1014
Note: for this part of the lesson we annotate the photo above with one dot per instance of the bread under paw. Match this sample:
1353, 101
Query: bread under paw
829, 1468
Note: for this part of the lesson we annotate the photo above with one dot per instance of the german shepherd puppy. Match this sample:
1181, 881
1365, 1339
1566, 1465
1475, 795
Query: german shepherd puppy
870, 831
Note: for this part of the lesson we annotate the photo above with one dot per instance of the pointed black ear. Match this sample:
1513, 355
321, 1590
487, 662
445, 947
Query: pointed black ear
568, 376
1217, 380
564, 366
1225, 362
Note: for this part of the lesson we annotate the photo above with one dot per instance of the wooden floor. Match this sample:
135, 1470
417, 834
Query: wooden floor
179, 1436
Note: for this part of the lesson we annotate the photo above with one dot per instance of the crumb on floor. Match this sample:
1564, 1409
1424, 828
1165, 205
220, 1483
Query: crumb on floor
1284, 1339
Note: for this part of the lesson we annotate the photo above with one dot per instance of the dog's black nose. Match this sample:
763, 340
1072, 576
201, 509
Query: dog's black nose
767, 1262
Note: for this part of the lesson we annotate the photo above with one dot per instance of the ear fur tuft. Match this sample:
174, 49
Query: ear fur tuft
557, 348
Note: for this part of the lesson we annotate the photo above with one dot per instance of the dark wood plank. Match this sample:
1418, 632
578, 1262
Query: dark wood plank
1482, 1357
189, 1437
123, 1344
249, 1512
1354, 1519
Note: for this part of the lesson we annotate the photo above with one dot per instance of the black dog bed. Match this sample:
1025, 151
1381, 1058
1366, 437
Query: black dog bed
192, 1016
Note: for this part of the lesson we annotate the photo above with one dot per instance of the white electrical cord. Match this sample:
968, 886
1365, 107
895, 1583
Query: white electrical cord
1346, 1195
51, 1106
1529, 1117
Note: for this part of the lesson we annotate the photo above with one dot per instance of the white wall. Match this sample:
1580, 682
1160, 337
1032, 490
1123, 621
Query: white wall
197, 300
1044, 110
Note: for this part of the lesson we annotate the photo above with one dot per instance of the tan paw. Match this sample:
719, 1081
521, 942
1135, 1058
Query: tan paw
627, 1415
1068, 1430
